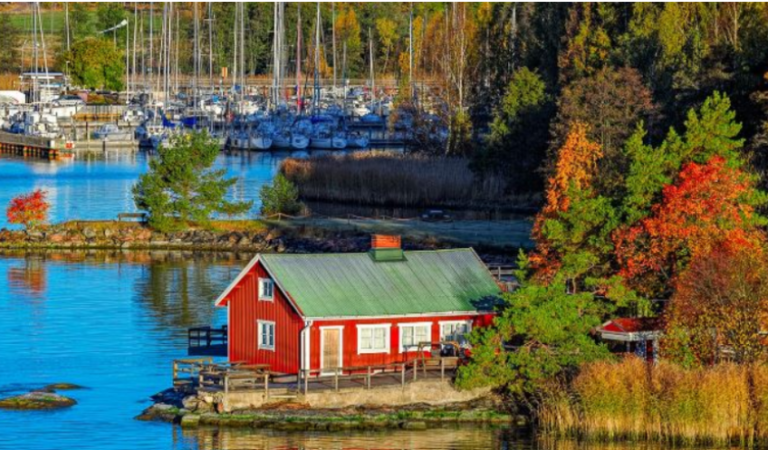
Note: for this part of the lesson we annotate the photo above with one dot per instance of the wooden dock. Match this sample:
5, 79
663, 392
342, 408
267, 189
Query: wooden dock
34, 146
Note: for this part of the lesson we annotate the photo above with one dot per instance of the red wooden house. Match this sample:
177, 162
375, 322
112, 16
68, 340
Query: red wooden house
324, 311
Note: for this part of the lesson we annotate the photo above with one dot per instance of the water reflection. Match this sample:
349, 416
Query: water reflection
28, 277
171, 288
99, 187
451, 438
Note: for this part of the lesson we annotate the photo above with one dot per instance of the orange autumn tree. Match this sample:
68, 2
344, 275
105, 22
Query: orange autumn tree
572, 212
30, 210
708, 204
720, 301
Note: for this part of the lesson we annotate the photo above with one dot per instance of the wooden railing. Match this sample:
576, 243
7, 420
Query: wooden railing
202, 373
408, 372
186, 372
235, 377
207, 341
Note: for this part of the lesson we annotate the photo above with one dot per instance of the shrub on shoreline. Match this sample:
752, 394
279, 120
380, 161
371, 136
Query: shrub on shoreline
721, 405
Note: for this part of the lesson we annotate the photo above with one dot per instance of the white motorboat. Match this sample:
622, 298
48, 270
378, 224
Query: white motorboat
339, 142
281, 140
260, 141
321, 140
371, 118
110, 132
356, 140
299, 141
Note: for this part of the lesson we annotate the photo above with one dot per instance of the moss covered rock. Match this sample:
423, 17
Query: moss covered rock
37, 400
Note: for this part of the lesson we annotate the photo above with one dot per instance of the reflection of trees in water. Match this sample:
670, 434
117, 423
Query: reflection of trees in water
29, 280
449, 437
179, 293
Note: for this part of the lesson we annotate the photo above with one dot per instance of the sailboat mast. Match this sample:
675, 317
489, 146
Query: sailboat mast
135, 34
234, 51
333, 38
298, 61
275, 51
196, 56
66, 22
242, 48
210, 45
316, 96
151, 50
410, 51
373, 79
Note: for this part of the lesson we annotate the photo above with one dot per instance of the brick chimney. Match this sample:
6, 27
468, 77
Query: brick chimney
386, 248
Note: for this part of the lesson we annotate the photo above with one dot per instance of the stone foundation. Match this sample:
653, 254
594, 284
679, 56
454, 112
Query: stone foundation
425, 392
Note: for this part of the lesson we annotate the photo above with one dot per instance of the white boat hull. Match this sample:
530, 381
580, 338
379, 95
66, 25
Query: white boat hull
281, 142
299, 142
322, 143
261, 143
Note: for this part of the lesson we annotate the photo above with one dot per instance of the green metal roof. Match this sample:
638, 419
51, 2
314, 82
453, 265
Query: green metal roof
354, 285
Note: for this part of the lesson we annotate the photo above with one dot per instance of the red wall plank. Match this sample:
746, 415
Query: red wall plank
246, 309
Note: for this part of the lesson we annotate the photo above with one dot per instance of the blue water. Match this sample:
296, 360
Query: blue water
113, 322
100, 187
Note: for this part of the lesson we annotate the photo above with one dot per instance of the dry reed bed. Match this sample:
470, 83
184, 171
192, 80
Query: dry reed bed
384, 178
723, 405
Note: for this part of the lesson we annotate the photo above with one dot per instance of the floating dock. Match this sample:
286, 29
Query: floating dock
34, 146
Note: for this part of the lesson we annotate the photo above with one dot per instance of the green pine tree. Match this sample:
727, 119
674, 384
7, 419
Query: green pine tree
181, 189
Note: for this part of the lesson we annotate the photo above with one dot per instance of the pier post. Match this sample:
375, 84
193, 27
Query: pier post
442, 369
336, 379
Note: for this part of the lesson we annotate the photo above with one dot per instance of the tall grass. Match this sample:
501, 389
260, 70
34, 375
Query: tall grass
392, 179
722, 405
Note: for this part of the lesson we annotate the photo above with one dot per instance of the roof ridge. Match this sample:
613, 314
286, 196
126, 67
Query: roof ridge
440, 250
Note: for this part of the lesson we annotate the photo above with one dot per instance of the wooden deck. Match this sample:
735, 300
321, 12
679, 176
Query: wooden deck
202, 375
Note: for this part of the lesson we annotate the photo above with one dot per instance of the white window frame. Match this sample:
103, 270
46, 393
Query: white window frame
412, 348
468, 322
387, 338
262, 282
260, 345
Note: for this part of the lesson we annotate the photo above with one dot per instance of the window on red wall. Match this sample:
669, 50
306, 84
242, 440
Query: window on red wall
266, 335
266, 289
373, 338
412, 334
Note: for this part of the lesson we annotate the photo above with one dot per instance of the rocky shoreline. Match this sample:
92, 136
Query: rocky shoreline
189, 412
126, 236
110, 235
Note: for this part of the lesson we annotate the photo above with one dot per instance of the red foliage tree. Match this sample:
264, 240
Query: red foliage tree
709, 204
720, 301
30, 210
